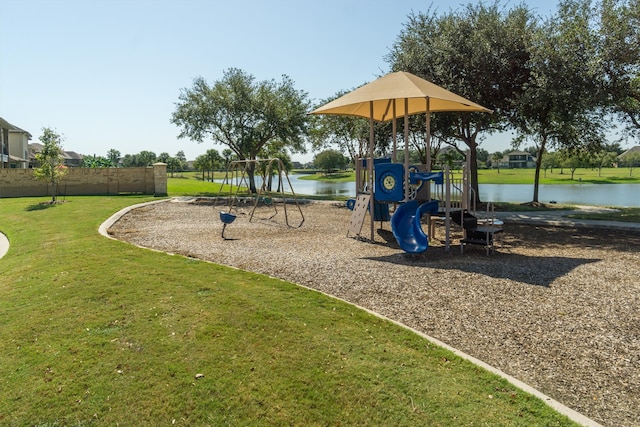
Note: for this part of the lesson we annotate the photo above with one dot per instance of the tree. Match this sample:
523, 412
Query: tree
130, 160
114, 156
173, 165
96, 162
330, 160
146, 158
200, 164
550, 160
208, 162
632, 161
619, 37
180, 157
557, 106
574, 159
163, 157
228, 156
479, 53
449, 157
483, 156
51, 167
496, 158
243, 114
603, 158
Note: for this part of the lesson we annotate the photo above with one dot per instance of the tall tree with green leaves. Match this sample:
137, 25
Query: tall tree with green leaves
114, 156
330, 160
496, 158
146, 158
96, 162
243, 114
558, 106
632, 161
51, 162
619, 37
479, 52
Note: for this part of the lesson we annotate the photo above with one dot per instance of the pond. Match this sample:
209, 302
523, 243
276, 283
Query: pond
578, 194
573, 194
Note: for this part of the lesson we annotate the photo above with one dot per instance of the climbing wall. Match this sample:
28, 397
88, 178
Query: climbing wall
358, 214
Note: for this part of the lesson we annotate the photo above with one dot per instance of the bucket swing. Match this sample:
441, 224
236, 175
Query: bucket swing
226, 218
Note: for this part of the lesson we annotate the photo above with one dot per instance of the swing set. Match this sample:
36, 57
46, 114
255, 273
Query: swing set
238, 191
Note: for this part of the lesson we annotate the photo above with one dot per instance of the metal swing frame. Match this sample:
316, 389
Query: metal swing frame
236, 178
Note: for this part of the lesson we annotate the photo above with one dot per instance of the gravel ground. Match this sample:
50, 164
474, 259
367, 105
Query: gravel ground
557, 308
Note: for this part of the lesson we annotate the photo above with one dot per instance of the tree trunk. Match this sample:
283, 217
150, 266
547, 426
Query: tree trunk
536, 180
473, 169
54, 191
251, 169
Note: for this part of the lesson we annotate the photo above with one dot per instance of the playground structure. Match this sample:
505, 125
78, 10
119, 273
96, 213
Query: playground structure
416, 193
268, 172
392, 96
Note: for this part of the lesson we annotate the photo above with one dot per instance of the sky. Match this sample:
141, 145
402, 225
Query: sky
106, 74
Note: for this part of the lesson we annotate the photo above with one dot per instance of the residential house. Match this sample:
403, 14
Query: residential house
13, 146
518, 160
71, 158
631, 150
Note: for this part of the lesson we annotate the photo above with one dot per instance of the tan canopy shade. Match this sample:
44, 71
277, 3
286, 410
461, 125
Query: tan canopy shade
398, 86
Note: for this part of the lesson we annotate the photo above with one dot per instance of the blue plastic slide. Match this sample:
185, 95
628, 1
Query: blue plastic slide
405, 224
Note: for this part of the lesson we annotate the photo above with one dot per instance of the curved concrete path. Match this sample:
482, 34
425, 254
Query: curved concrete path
559, 407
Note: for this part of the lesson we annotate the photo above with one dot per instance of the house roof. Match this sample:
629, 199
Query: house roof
635, 149
73, 155
12, 128
5, 124
36, 147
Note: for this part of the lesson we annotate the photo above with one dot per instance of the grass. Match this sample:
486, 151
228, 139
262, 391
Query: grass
99, 332
526, 176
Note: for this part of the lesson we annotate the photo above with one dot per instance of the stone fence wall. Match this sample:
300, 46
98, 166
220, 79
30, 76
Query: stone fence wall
87, 181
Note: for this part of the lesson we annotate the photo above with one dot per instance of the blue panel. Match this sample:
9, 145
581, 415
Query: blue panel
389, 182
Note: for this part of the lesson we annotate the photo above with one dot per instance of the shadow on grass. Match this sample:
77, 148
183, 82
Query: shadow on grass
42, 206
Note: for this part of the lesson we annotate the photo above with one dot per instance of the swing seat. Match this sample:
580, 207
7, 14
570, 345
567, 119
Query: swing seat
227, 218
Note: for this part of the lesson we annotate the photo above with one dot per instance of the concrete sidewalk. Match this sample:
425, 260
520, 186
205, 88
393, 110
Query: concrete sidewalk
559, 218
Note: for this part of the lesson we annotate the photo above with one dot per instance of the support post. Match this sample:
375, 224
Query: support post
370, 169
447, 208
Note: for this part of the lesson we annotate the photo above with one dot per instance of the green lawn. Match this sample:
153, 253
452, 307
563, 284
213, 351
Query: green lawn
558, 176
99, 332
